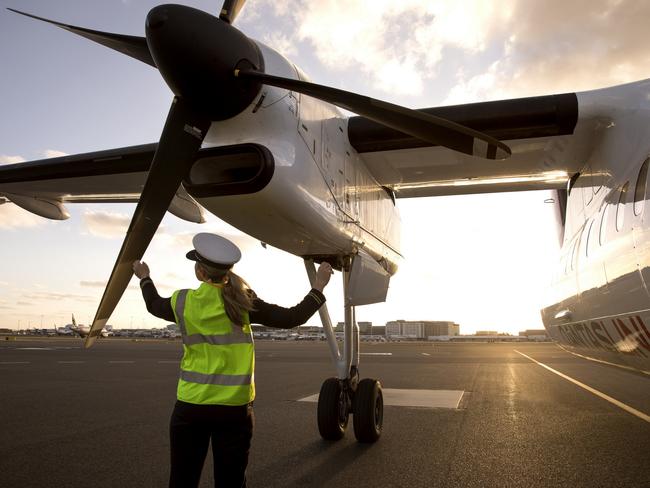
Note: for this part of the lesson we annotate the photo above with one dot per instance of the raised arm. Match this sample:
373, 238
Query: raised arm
286, 318
156, 305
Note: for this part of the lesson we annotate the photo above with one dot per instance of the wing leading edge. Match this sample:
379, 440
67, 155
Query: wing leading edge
548, 142
112, 176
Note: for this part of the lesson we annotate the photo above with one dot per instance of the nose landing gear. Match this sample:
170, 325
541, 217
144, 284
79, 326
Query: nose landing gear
344, 395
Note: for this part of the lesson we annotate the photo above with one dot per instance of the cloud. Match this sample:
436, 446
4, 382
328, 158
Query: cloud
109, 225
13, 217
93, 284
491, 50
43, 295
53, 153
281, 43
546, 53
4, 159
4, 283
102, 284
395, 45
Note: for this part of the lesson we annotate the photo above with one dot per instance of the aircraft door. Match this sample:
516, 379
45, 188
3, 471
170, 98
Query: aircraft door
641, 225
351, 193
623, 278
334, 160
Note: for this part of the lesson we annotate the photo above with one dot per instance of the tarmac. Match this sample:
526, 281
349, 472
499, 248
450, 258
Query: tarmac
72, 417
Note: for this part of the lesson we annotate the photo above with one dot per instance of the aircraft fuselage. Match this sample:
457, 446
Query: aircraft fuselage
599, 302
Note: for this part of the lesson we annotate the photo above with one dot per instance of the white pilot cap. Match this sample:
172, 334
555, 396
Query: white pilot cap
214, 251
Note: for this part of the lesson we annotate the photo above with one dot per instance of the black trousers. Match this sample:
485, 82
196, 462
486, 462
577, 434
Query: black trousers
190, 430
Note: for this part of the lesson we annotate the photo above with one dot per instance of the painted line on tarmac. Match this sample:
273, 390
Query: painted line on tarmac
376, 354
121, 362
600, 394
15, 362
425, 354
589, 358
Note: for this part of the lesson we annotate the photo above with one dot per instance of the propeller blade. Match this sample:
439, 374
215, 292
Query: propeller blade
424, 126
230, 10
180, 140
133, 46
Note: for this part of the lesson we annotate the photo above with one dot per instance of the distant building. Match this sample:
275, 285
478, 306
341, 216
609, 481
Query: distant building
422, 329
535, 334
378, 330
365, 328
486, 333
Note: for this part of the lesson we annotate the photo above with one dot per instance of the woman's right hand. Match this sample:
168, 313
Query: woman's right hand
323, 275
140, 269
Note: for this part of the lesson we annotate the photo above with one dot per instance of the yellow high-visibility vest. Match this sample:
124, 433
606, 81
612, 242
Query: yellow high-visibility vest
218, 357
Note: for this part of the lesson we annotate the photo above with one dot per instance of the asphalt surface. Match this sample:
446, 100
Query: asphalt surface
78, 418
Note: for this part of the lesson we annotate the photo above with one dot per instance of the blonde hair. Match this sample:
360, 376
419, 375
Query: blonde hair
237, 296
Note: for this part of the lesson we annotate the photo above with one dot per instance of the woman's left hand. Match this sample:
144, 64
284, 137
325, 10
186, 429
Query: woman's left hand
140, 269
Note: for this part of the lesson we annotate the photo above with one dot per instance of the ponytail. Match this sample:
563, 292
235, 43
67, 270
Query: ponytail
236, 293
237, 297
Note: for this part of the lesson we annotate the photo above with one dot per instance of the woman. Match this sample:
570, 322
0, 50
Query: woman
216, 387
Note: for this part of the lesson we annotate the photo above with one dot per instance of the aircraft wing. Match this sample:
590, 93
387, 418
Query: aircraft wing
115, 175
548, 140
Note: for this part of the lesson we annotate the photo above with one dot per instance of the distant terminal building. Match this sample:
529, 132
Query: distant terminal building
422, 329
535, 334
486, 333
365, 328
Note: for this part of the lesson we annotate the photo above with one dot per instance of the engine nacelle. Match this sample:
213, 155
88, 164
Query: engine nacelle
44, 207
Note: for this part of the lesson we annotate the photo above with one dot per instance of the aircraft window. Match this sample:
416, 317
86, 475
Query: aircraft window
587, 184
603, 225
573, 253
620, 208
639, 191
591, 226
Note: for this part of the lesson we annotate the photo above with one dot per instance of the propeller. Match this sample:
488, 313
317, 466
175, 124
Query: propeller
133, 46
430, 128
230, 10
215, 72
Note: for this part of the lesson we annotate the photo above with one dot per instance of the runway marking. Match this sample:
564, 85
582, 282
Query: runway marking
604, 362
600, 394
425, 354
14, 362
376, 354
121, 362
70, 362
35, 348
413, 398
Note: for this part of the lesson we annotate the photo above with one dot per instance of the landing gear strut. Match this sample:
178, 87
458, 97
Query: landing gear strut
344, 395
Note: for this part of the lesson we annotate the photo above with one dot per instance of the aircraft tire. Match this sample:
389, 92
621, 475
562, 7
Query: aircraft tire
332, 410
368, 410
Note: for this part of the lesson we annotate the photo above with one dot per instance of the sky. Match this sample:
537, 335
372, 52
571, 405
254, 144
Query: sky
483, 261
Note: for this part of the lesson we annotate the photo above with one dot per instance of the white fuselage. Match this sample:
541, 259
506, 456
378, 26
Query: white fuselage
321, 200
599, 302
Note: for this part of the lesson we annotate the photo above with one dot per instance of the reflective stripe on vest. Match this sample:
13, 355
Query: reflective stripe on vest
218, 360
237, 336
216, 379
